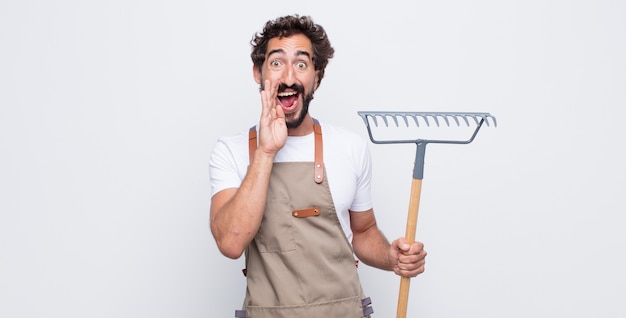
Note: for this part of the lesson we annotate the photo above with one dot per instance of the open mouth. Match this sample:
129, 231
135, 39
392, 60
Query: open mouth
288, 99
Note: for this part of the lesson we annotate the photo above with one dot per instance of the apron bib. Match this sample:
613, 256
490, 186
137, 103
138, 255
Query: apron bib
300, 263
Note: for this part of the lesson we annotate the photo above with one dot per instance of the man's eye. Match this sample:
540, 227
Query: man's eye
301, 65
275, 63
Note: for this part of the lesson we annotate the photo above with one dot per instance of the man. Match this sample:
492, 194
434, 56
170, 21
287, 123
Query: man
293, 192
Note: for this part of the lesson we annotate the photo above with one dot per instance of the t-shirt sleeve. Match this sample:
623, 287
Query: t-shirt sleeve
363, 163
223, 168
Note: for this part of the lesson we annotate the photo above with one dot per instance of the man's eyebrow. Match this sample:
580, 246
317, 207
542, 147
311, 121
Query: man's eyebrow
298, 53
303, 53
275, 51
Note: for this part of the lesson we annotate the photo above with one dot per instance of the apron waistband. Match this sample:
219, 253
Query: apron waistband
365, 302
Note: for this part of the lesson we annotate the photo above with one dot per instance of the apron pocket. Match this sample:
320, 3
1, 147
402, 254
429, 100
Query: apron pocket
277, 219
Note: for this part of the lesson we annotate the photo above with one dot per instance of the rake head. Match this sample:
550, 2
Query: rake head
424, 116
425, 119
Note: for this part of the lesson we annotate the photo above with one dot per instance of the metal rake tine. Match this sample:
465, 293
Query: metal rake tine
384, 117
466, 121
425, 117
445, 118
415, 120
486, 119
406, 121
374, 119
476, 119
435, 117
456, 120
369, 119
395, 119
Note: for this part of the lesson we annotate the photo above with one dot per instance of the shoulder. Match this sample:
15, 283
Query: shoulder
342, 137
239, 138
234, 145
340, 133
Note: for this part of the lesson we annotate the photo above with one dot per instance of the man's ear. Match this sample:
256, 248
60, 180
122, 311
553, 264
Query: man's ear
257, 74
317, 74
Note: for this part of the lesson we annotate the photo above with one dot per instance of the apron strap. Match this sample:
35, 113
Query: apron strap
252, 142
319, 150
319, 153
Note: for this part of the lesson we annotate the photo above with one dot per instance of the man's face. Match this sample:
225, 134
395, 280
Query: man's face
289, 61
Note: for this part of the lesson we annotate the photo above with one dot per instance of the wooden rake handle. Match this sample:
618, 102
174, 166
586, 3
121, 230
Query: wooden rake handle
411, 225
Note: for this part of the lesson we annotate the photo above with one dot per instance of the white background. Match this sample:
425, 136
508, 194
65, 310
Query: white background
109, 111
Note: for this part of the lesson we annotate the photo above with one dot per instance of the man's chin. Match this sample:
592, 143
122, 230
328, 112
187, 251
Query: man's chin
293, 120
293, 123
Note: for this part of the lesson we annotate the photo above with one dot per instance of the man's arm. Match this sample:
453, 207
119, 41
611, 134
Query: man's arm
372, 248
236, 213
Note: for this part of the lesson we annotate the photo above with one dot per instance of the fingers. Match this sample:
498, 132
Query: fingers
268, 99
415, 248
404, 247
411, 258
272, 126
410, 269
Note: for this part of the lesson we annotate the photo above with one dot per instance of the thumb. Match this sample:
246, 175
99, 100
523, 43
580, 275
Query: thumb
402, 244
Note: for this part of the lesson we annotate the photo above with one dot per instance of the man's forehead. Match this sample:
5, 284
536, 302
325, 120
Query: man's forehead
297, 43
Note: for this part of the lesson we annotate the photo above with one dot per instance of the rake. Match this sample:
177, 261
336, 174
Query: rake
420, 119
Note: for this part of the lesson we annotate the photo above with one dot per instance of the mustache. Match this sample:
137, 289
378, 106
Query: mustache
282, 87
296, 87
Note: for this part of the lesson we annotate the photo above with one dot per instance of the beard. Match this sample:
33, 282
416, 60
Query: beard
294, 122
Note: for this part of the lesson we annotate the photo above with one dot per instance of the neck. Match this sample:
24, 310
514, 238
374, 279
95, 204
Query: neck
304, 129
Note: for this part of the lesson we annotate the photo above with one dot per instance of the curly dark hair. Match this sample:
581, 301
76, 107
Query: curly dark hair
289, 25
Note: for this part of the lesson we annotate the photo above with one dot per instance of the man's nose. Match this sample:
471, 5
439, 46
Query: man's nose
289, 76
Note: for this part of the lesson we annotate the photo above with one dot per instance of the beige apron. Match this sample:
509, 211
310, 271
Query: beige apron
300, 263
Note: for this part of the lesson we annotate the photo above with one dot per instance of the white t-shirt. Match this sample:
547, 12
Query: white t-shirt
346, 158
